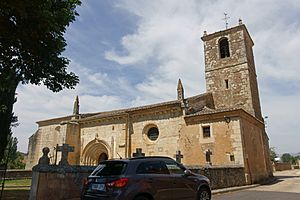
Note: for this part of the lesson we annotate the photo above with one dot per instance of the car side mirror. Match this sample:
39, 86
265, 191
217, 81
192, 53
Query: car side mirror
188, 172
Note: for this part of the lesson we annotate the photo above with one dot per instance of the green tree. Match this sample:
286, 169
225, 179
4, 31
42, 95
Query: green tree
31, 43
13, 158
287, 158
273, 154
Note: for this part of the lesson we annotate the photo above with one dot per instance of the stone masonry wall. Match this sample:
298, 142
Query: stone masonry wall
253, 78
222, 176
238, 94
237, 50
168, 122
46, 136
282, 166
17, 174
31, 158
111, 131
73, 139
135, 125
225, 142
58, 182
255, 157
238, 70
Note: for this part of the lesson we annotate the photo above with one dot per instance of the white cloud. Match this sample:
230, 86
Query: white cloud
167, 33
37, 103
165, 44
170, 31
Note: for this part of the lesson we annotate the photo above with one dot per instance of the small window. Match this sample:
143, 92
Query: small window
153, 133
206, 131
232, 158
152, 167
224, 48
226, 83
208, 156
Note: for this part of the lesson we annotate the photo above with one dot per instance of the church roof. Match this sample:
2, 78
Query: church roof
123, 111
193, 103
206, 110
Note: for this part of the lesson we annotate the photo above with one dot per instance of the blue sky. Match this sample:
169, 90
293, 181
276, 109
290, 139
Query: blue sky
131, 53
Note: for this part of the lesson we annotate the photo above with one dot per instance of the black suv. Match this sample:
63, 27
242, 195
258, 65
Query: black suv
145, 178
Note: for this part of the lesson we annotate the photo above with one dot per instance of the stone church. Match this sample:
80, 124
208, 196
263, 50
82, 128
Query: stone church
221, 127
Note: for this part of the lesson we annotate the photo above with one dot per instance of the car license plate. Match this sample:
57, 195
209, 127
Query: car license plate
99, 187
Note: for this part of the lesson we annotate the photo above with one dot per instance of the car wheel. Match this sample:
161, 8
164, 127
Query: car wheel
141, 198
204, 194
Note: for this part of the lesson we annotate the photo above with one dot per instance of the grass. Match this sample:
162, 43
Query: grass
16, 189
17, 183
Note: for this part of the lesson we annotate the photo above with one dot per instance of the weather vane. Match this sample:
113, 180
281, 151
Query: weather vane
226, 20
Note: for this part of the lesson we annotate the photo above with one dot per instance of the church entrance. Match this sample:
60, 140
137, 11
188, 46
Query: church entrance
95, 152
103, 156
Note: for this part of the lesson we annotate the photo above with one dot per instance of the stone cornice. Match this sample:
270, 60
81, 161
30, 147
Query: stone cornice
54, 120
222, 114
228, 31
135, 114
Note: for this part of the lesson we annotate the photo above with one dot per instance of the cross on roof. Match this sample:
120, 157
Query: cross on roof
226, 20
178, 156
138, 153
65, 149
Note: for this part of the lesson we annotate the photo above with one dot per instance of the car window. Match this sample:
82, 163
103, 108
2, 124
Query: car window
174, 167
152, 167
110, 168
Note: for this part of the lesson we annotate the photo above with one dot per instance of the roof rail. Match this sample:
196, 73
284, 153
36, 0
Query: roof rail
147, 157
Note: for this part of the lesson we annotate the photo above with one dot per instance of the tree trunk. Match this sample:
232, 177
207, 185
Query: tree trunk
8, 88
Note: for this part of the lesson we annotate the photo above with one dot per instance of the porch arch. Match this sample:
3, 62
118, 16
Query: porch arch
95, 151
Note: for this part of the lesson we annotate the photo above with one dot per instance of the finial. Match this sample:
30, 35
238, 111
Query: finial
205, 33
226, 20
180, 91
179, 85
240, 21
76, 106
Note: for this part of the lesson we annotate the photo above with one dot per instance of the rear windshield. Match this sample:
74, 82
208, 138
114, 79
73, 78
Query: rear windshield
110, 169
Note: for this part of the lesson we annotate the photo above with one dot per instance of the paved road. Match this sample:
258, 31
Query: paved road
286, 188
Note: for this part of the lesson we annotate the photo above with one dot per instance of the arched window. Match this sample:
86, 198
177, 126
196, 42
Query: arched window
224, 48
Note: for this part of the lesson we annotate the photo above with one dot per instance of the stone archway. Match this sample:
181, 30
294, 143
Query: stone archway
94, 152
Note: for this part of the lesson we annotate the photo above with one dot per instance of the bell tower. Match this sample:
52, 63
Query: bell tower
230, 70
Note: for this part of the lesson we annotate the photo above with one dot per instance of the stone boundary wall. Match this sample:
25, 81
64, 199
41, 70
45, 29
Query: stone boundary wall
222, 176
58, 182
282, 166
17, 174
66, 182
